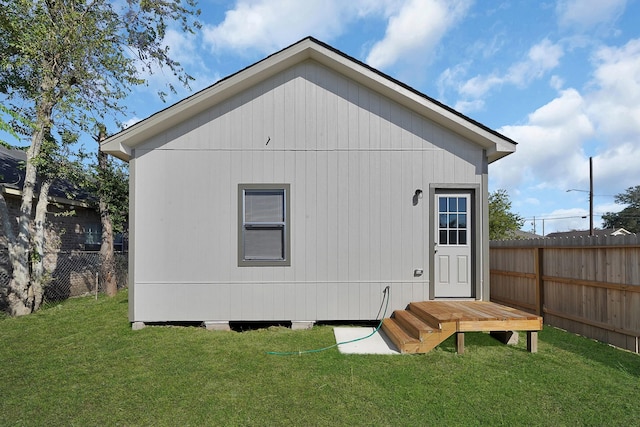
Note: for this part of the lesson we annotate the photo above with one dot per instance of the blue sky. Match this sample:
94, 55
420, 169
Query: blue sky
561, 77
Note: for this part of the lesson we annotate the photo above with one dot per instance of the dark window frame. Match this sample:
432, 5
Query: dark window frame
243, 225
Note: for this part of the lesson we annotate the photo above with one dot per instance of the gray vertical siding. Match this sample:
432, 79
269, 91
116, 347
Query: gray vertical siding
353, 160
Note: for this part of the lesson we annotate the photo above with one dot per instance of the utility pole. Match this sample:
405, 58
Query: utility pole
590, 196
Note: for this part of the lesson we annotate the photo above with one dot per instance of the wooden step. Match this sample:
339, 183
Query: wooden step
426, 324
401, 329
402, 340
414, 326
420, 312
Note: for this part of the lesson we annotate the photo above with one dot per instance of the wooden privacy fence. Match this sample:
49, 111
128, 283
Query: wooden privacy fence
589, 285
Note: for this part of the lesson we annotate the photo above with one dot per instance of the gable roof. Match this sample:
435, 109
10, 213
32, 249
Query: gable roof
12, 174
585, 233
122, 143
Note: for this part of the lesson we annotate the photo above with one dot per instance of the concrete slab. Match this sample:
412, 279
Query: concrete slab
216, 325
377, 343
300, 325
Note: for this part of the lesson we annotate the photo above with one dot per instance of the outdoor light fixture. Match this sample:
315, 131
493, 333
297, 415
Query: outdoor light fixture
417, 196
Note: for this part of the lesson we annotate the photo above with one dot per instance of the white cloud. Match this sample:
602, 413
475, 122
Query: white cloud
130, 122
541, 58
183, 48
450, 77
550, 145
479, 85
415, 29
615, 104
604, 119
268, 25
467, 107
556, 82
583, 15
616, 168
413, 26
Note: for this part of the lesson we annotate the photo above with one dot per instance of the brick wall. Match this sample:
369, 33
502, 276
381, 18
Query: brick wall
73, 269
67, 225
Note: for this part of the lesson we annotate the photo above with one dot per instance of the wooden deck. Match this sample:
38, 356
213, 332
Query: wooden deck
424, 325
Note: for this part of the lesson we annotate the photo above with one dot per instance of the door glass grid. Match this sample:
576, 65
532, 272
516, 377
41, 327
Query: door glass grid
452, 223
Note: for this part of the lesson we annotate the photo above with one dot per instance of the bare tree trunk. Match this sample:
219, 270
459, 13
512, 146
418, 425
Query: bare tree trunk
20, 293
10, 299
38, 273
108, 265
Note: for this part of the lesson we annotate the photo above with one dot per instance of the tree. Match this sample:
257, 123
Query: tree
629, 217
55, 162
502, 222
67, 64
113, 194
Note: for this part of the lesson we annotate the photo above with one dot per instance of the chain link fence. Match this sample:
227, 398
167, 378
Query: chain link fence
72, 274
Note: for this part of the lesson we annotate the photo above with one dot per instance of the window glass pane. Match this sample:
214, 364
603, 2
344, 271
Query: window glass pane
264, 243
462, 237
462, 204
443, 220
264, 206
453, 205
462, 221
453, 221
93, 234
453, 237
442, 204
443, 237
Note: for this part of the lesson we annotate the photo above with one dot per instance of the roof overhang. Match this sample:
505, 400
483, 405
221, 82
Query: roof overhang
121, 144
52, 199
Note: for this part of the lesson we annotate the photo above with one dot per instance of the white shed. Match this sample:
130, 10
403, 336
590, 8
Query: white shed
299, 188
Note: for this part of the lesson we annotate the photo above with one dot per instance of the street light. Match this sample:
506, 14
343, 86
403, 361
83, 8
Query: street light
590, 195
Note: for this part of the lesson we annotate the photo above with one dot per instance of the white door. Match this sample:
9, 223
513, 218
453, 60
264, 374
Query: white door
452, 266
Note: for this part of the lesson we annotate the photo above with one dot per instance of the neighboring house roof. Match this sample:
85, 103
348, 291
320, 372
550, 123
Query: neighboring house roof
596, 232
12, 173
495, 144
519, 234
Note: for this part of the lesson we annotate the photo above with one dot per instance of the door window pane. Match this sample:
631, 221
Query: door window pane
453, 220
453, 204
442, 204
443, 220
462, 204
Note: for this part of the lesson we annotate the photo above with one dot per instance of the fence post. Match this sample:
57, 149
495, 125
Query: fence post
539, 282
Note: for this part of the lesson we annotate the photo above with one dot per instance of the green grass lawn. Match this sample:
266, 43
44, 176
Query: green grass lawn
79, 363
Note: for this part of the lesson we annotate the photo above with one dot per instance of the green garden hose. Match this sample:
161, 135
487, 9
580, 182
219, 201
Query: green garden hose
385, 296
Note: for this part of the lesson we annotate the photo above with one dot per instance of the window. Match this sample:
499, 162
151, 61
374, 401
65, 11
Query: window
263, 220
92, 237
452, 224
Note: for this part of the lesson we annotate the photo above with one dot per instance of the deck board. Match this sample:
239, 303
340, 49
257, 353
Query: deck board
476, 311
449, 317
